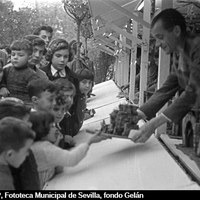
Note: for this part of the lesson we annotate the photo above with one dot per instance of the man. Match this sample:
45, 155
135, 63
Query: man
169, 30
44, 32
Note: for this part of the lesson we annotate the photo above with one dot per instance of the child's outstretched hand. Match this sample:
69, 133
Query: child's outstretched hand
98, 137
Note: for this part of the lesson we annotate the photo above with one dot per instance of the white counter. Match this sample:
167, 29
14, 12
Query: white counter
119, 164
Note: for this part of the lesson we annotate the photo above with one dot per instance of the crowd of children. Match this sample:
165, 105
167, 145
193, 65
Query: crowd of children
42, 107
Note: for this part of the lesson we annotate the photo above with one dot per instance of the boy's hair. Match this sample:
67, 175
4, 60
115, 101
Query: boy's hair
14, 133
36, 87
45, 28
41, 121
170, 18
35, 40
84, 74
12, 108
63, 85
56, 45
23, 44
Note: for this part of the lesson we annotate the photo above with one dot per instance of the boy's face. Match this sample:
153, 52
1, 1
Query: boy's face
53, 134
59, 112
38, 52
45, 101
85, 86
19, 58
16, 158
60, 59
69, 95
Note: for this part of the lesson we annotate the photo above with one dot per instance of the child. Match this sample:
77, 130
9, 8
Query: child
48, 155
38, 52
73, 123
59, 54
63, 102
16, 137
17, 76
42, 94
86, 79
13, 107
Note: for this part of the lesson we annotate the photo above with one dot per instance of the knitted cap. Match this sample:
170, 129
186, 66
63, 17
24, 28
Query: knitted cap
84, 74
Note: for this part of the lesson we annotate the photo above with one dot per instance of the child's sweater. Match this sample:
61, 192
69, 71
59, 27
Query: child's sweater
16, 81
48, 157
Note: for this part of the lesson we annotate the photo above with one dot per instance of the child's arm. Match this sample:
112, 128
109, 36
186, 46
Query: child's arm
59, 157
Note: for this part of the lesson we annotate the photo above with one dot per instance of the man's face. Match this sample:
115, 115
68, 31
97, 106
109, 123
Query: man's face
60, 59
165, 39
37, 55
46, 36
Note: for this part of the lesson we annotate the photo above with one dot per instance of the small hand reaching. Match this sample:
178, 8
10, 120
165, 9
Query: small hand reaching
98, 137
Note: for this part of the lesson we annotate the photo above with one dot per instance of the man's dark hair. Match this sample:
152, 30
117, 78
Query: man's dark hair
45, 28
170, 18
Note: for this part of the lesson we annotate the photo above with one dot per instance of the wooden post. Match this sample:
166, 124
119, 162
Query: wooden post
133, 61
145, 51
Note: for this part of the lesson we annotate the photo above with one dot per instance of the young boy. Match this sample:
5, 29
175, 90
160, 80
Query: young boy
72, 124
86, 78
63, 102
39, 51
13, 107
17, 76
42, 94
16, 137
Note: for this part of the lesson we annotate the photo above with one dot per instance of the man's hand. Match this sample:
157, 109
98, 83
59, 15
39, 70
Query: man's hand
143, 134
146, 130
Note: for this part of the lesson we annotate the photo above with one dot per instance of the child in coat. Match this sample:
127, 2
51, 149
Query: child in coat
48, 155
16, 137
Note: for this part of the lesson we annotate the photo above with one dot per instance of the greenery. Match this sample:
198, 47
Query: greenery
17, 23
